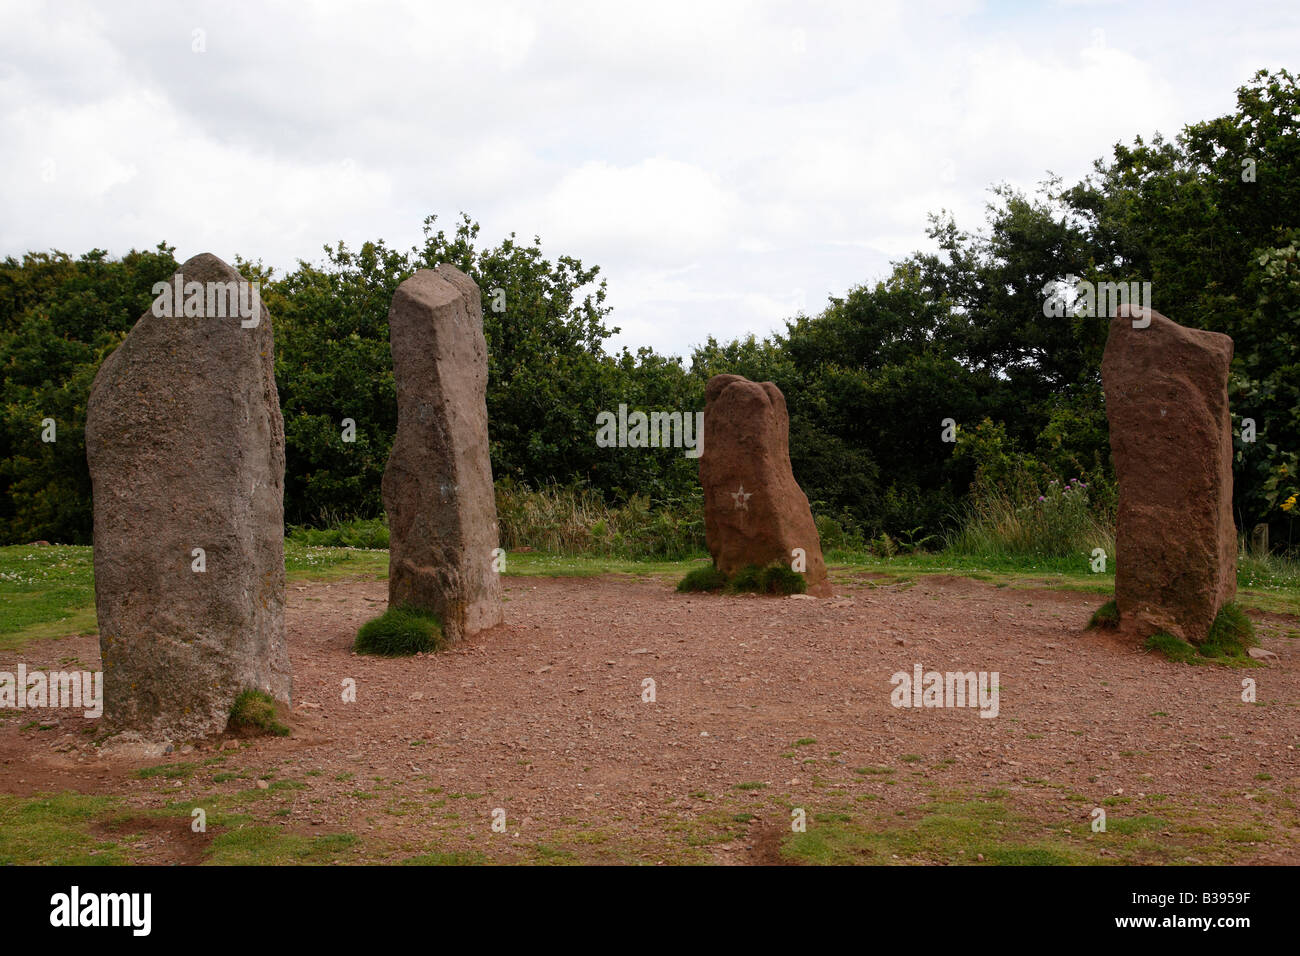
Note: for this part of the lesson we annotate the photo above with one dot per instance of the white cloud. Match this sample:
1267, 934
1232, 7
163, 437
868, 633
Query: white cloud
662, 210
725, 163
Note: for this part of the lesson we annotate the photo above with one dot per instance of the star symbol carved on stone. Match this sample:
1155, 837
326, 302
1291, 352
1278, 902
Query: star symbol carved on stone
742, 497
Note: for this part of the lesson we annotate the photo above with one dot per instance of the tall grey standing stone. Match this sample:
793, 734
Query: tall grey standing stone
442, 513
186, 450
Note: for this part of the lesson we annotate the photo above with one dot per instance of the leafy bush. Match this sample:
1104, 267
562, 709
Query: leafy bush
400, 631
830, 532
369, 533
576, 519
59, 318
1013, 518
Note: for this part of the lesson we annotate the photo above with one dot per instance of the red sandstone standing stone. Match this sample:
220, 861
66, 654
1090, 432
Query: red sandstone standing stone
754, 510
1171, 440
438, 484
186, 450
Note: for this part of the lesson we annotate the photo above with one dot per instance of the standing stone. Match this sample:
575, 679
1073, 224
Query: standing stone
1171, 440
755, 513
442, 512
186, 450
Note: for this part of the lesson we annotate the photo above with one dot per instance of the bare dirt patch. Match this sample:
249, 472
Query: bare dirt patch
170, 841
761, 705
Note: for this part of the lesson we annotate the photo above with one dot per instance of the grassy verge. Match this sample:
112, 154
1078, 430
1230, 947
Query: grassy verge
46, 592
56, 830
963, 827
49, 591
1029, 822
72, 829
1068, 572
1271, 586
540, 564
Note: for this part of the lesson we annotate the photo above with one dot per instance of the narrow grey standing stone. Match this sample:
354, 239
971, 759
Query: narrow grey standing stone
442, 513
186, 450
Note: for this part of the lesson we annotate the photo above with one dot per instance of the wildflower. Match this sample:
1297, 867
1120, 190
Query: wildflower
1041, 498
1289, 503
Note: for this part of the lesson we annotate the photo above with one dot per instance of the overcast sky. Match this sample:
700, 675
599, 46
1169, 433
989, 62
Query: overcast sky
725, 164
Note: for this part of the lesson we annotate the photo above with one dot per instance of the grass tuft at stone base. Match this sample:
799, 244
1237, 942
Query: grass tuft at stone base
1232, 634
1106, 616
256, 712
1228, 642
399, 632
703, 579
773, 579
1173, 648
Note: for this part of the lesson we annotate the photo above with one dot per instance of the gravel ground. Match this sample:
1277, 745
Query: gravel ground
760, 704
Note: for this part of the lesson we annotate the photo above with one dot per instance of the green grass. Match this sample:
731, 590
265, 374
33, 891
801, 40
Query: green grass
168, 771
959, 827
367, 533
1271, 586
1228, 642
54, 830
1106, 616
307, 562
703, 579
1018, 571
1173, 648
542, 564
256, 711
400, 631
773, 579
48, 592
1021, 517
576, 520
458, 858
270, 846
1231, 635
948, 830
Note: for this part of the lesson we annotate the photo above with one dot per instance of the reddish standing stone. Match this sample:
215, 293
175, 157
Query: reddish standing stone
1171, 440
755, 513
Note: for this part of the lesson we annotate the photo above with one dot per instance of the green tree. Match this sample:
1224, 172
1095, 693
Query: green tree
59, 319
